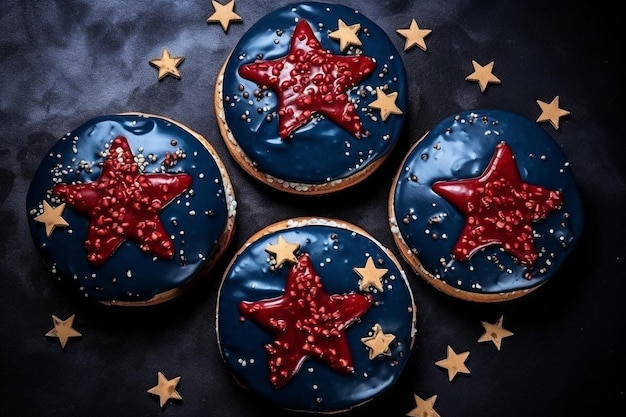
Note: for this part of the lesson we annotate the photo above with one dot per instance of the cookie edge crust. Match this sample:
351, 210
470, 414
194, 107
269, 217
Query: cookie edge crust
296, 222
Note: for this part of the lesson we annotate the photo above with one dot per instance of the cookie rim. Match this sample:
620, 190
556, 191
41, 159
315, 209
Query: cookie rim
414, 260
296, 222
292, 187
222, 243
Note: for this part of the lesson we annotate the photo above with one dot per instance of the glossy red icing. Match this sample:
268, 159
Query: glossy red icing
124, 204
499, 208
306, 322
309, 80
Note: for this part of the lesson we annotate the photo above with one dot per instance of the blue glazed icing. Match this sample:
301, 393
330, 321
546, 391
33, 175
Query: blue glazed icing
195, 220
320, 151
335, 250
461, 146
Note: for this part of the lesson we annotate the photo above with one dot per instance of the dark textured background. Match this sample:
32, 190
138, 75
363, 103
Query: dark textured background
64, 62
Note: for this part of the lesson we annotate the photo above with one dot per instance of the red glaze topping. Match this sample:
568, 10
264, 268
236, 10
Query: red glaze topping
309, 80
124, 204
499, 208
306, 322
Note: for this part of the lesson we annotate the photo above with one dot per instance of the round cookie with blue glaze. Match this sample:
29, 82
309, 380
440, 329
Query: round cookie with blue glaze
315, 315
485, 207
312, 99
131, 209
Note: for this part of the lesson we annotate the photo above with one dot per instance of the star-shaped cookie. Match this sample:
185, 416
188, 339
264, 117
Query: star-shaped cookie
483, 75
386, 103
378, 343
454, 363
283, 251
167, 64
166, 389
346, 35
424, 408
370, 276
414, 36
51, 217
63, 329
551, 112
224, 14
494, 332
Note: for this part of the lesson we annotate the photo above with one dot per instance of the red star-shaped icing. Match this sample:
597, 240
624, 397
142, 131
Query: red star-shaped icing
499, 208
305, 322
309, 80
124, 204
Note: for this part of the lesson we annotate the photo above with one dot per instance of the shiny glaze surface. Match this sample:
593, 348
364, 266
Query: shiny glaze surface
193, 220
319, 151
459, 150
334, 251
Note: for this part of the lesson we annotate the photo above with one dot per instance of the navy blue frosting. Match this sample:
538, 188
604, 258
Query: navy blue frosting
334, 251
320, 151
461, 146
195, 220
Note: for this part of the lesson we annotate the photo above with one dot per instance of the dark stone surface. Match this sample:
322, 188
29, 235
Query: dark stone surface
62, 63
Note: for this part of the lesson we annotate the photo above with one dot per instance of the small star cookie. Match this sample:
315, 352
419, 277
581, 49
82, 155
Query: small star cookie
370, 275
386, 103
494, 332
283, 251
414, 36
551, 112
346, 35
63, 329
454, 363
483, 75
378, 343
224, 14
167, 64
166, 389
424, 408
51, 217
